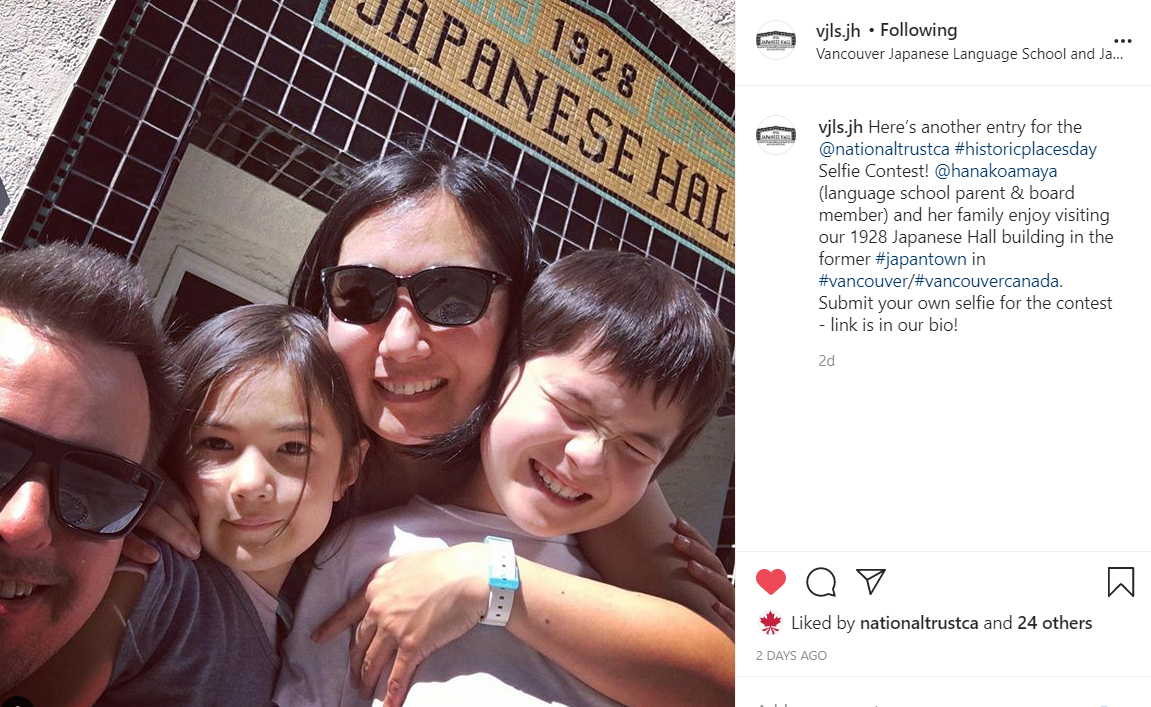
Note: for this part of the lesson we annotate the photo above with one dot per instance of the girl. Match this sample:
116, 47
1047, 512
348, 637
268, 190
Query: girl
267, 439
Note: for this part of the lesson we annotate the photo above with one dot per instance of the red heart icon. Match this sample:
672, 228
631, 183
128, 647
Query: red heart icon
770, 580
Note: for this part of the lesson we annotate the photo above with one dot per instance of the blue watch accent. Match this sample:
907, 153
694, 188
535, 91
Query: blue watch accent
502, 570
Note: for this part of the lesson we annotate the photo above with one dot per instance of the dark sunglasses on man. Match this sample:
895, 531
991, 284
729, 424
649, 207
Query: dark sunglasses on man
448, 296
92, 492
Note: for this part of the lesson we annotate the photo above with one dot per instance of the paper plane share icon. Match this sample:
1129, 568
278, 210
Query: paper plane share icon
872, 578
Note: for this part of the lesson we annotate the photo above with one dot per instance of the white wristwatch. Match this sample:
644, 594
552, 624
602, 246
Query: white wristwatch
503, 580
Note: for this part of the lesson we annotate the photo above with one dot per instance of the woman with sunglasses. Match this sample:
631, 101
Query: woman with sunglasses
419, 270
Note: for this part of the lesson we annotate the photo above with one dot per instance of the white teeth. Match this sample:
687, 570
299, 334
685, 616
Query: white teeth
556, 486
10, 589
412, 388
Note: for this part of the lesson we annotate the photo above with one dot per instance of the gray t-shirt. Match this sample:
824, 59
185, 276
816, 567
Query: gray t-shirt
485, 666
194, 638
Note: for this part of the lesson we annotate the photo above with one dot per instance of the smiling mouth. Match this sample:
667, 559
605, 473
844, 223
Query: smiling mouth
552, 483
10, 589
253, 524
412, 387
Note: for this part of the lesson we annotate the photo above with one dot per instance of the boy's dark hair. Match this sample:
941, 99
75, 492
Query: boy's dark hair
643, 320
243, 341
68, 293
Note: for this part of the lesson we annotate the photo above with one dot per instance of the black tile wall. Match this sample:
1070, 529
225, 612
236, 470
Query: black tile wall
175, 8
93, 70
324, 49
153, 147
62, 225
110, 242
291, 29
118, 17
159, 29
267, 90
209, 19
143, 61
97, 160
254, 82
168, 113
232, 70
344, 97
333, 128
137, 180
258, 12
114, 126
80, 196
182, 81
228, 6
128, 92
244, 39
355, 67
48, 165
122, 216
76, 105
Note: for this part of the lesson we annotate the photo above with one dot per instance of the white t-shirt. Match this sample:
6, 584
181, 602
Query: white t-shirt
486, 666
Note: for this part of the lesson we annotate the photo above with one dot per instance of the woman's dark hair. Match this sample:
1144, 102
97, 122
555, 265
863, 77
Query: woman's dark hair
484, 193
242, 342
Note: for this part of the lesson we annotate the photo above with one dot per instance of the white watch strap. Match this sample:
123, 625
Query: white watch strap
499, 606
503, 579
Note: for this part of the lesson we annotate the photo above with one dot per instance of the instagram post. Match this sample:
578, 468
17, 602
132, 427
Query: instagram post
944, 216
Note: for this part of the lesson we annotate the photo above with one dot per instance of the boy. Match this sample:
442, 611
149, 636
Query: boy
621, 366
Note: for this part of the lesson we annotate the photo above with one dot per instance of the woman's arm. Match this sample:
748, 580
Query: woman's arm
79, 672
637, 649
644, 551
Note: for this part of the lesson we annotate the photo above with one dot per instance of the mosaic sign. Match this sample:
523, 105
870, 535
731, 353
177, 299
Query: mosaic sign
562, 78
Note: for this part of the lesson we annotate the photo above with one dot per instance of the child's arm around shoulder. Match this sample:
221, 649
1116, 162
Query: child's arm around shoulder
641, 552
80, 671
635, 648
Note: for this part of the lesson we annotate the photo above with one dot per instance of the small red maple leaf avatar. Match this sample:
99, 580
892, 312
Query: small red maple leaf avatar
770, 623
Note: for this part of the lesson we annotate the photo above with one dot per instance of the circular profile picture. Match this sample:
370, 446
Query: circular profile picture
775, 134
775, 40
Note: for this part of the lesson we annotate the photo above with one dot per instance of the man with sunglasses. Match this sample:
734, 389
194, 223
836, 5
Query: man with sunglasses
85, 403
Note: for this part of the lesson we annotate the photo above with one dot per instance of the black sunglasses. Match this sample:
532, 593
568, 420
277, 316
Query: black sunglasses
446, 296
93, 492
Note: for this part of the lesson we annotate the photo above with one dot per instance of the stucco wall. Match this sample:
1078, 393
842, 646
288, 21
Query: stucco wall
711, 22
233, 219
43, 45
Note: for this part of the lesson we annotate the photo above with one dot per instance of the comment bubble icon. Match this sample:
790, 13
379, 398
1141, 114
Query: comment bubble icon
821, 582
